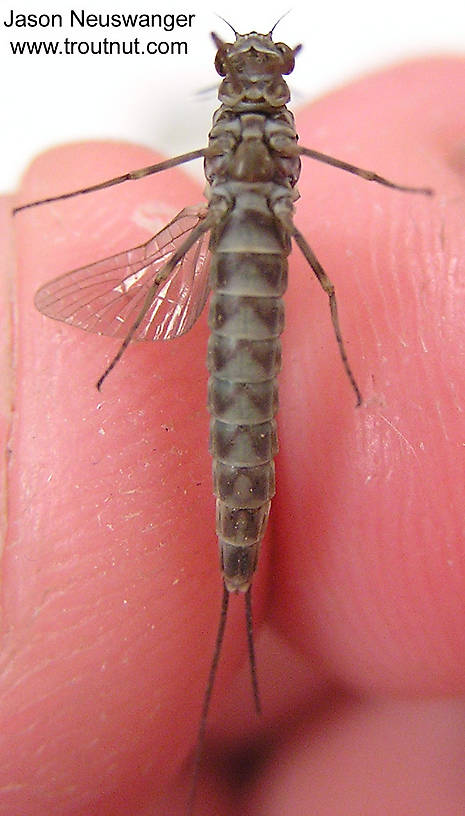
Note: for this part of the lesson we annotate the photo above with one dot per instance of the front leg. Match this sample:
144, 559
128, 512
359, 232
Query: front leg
368, 175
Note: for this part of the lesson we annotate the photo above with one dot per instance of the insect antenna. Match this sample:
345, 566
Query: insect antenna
270, 33
236, 33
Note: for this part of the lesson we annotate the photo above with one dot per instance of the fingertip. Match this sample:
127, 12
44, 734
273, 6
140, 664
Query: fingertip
374, 495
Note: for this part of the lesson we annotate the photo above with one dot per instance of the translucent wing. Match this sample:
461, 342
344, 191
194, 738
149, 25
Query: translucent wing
106, 297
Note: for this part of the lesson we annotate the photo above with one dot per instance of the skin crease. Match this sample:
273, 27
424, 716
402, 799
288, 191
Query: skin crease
110, 587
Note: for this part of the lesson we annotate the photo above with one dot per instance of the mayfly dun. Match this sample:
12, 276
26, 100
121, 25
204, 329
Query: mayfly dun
236, 246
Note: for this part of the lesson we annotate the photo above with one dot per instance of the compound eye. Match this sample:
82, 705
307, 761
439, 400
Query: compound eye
219, 64
287, 57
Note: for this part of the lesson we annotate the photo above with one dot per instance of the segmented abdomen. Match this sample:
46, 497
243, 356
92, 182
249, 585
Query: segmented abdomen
244, 357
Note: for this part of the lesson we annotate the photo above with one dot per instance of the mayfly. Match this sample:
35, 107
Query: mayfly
236, 246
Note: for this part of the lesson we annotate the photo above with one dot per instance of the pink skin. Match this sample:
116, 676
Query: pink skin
110, 583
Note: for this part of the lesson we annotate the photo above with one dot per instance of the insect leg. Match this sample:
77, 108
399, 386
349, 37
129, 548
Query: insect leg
328, 287
203, 226
369, 175
132, 175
